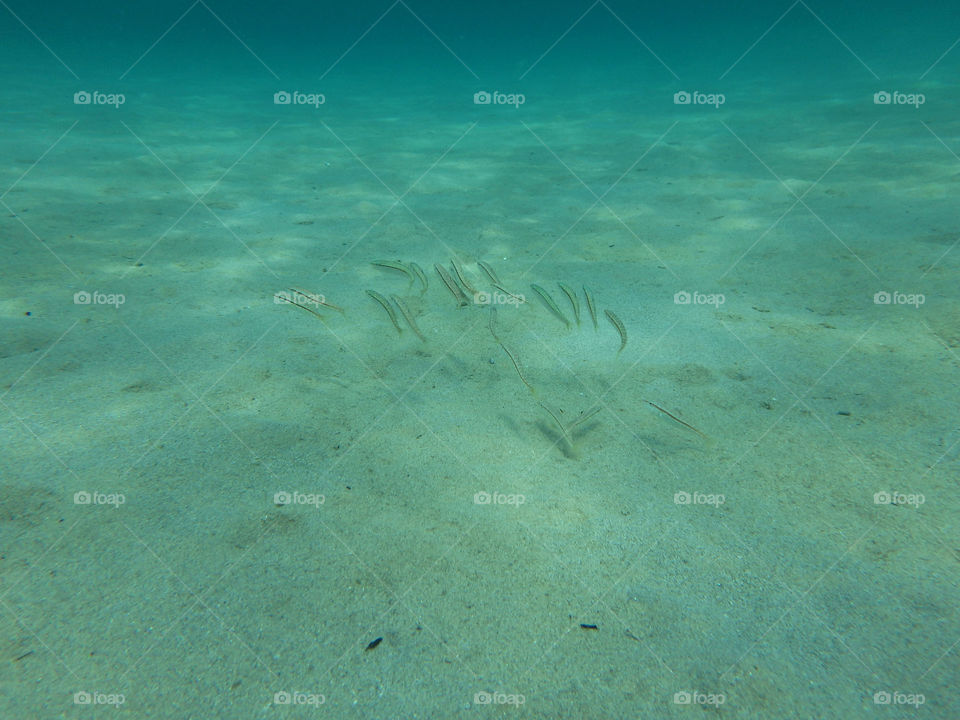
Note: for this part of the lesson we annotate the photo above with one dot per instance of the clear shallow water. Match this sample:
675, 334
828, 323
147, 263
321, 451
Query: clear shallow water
213, 501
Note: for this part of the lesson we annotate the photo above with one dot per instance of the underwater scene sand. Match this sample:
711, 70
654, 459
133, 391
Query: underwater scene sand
385, 410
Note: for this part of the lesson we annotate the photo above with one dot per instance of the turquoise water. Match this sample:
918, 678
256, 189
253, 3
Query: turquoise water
248, 470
